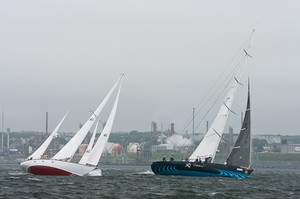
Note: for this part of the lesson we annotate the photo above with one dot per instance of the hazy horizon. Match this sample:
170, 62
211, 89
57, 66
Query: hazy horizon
59, 56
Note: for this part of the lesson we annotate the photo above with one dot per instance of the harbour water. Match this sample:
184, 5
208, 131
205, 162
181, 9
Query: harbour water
139, 182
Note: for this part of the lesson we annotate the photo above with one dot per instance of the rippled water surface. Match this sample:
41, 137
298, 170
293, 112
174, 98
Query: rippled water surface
139, 182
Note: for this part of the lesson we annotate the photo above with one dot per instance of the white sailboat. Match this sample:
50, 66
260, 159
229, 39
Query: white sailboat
61, 163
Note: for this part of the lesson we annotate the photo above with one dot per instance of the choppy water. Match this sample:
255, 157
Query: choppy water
139, 182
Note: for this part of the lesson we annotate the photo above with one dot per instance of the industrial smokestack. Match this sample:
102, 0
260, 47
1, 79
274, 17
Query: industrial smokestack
172, 128
206, 126
46, 123
8, 132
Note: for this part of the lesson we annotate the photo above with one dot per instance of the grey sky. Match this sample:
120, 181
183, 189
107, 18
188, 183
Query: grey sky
60, 56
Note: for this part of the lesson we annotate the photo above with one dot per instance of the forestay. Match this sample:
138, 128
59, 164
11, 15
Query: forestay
70, 148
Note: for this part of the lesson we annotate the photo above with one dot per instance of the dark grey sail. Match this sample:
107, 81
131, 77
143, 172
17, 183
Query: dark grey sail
240, 154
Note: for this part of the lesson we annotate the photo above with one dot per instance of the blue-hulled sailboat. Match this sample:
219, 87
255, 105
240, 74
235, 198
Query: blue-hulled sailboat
201, 162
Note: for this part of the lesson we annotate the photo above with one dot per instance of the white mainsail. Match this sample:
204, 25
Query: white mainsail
102, 140
87, 152
209, 145
70, 148
41, 150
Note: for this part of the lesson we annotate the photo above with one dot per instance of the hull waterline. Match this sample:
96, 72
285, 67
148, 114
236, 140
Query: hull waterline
183, 168
55, 168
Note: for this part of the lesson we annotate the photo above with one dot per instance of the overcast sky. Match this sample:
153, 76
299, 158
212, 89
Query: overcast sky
60, 56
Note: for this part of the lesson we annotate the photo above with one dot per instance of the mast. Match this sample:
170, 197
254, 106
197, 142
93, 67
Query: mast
242, 117
7, 132
161, 133
2, 131
193, 124
209, 145
250, 162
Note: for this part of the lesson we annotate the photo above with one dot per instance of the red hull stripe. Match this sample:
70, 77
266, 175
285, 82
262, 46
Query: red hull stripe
45, 170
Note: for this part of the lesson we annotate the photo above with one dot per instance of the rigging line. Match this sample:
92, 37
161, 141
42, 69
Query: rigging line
219, 77
234, 71
229, 109
180, 148
228, 82
205, 114
238, 66
228, 79
241, 69
220, 136
211, 96
96, 116
238, 81
247, 54
200, 122
237, 69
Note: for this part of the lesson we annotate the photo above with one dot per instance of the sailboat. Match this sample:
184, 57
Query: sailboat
61, 163
201, 162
